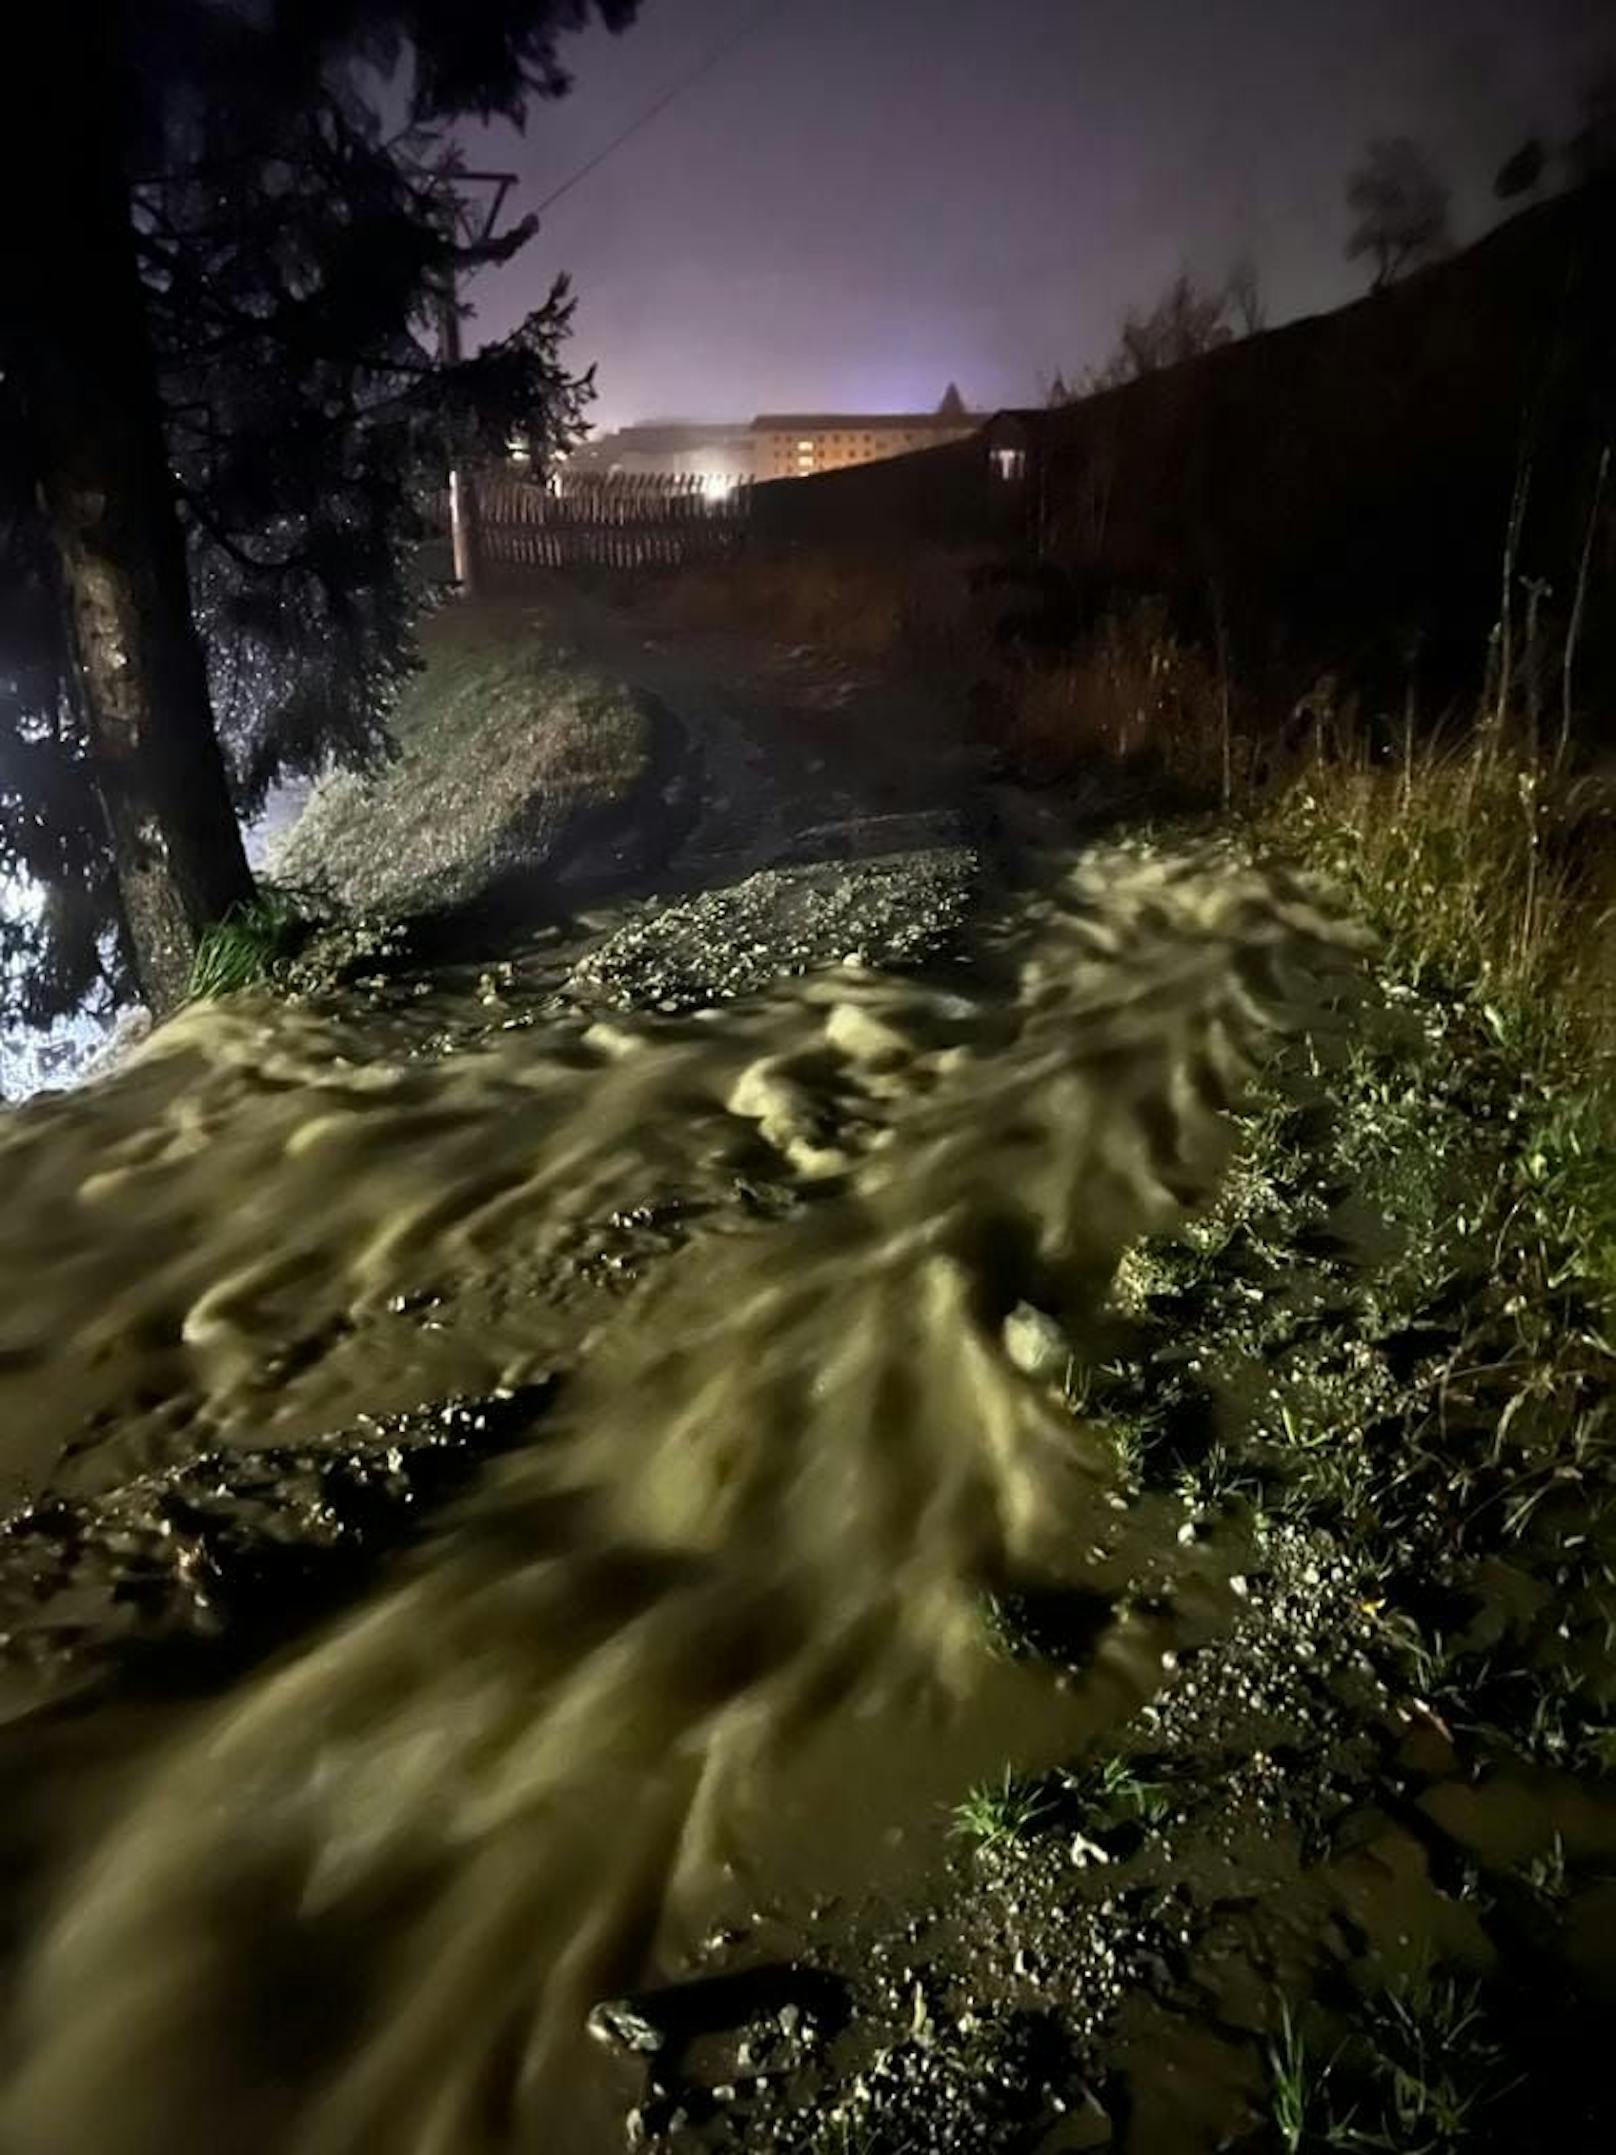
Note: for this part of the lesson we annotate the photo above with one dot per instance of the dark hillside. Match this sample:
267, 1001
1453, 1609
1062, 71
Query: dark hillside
1345, 481
1352, 475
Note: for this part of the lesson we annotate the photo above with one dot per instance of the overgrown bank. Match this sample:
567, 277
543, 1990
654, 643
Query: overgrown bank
516, 767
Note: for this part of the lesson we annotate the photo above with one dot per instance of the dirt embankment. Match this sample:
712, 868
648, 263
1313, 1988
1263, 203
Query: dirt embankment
520, 770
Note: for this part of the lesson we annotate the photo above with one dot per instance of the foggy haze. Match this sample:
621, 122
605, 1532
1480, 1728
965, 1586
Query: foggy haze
866, 199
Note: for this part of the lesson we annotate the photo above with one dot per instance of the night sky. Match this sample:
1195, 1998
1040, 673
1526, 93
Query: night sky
868, 198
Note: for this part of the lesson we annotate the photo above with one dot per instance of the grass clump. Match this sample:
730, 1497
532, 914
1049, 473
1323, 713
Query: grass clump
1432, 2064
1417, 2072
1492, 879
1001, 1633
1133, 693
1492, 882
1488, 875
871, 604
998, 1813
250, 947
1116, 1791
1298, 2104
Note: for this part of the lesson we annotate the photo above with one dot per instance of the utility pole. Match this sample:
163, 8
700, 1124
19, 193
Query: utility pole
465, 523
465, 529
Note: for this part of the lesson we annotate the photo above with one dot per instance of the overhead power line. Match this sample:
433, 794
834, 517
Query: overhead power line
703, 67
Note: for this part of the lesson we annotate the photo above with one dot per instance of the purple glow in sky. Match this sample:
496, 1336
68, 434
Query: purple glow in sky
867, 199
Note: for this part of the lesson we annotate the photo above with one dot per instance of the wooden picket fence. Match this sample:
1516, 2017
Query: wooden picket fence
634, 521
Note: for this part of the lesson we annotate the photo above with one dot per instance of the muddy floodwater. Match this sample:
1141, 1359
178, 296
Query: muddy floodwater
804, 1268
505, 1520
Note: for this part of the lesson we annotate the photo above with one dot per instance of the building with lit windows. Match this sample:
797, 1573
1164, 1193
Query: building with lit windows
776, 445
667, 448
796, 445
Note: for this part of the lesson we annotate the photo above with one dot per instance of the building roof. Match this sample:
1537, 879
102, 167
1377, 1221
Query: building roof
862, 422
668, 434
681, 429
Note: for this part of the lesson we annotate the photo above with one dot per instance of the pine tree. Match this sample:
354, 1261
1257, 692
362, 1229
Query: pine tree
217, 400
79, 360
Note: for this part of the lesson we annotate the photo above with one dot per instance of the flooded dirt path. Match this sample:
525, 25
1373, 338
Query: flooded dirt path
784, 1472
770, 1522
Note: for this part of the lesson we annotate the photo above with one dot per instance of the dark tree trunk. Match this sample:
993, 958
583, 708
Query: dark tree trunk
75, 334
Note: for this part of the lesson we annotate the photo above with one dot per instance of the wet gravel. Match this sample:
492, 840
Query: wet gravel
230, 1553
904, 909
980, 2025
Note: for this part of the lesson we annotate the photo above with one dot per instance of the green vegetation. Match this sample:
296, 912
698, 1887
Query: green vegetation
250, 947
1297, 2090
1484, 871
997, 1813
1489, 874
1001, 1634
1432, 2063
1413, 2073
285, 466
1113, 1790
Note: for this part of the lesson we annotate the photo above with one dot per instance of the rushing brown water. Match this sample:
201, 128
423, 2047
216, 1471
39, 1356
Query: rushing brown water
367, 1902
